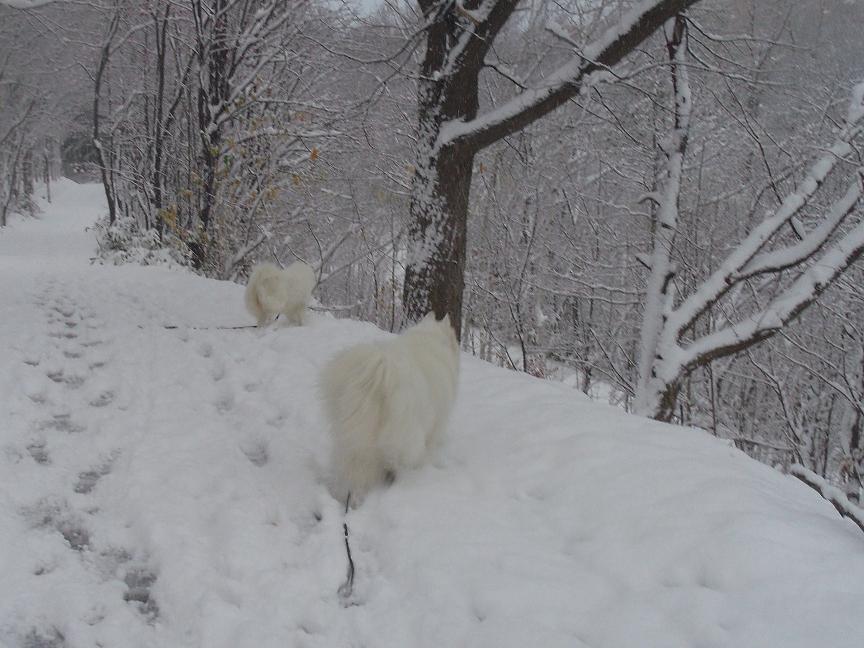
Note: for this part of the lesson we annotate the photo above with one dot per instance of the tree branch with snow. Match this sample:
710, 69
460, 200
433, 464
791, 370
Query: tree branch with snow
451, 132
587, 66
834, 495
817, 260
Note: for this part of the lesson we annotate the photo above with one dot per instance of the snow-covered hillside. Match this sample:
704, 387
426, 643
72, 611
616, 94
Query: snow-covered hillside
162, 487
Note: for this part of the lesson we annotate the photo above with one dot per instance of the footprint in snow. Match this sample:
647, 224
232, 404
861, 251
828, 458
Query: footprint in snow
103, 399
256, 451
88, 479
61, 423
39, 453
37, 396
72, 381
58, 516
225, 403
217, 372
63, 335
43, 638
139, 582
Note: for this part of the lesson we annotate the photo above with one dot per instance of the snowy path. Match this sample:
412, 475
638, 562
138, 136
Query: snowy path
163, 487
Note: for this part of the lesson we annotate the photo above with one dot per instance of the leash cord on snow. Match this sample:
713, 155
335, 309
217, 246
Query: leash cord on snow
346, 588
217, 328
205, 328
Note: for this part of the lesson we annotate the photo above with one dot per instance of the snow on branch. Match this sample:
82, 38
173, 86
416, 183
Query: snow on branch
465, 13
784, 308
568, 80
810, 244
26, 4
818, 259
234, 261
834, 495
484, 23
730, 271
665, 212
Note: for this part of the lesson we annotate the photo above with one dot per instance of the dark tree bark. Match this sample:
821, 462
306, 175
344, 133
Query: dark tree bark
442, 180
104, 57
161, 28
211, 24
27, 174
46, 170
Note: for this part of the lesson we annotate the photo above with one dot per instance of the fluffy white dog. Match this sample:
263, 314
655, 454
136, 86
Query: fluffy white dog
272, 291
388, 404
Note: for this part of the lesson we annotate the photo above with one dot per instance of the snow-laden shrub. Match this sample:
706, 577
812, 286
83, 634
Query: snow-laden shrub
125, 242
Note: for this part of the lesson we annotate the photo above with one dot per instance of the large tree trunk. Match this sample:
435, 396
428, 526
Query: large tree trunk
437, 237
448, 91
213, 92
28, 177
159, 130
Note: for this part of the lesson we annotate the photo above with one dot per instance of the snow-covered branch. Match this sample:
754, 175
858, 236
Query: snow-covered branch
810, 244
665, 357
722, 279
26, 4
568, 80
834, 495
784, 308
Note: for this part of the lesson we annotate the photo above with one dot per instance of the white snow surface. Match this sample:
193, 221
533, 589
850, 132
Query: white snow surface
165, 487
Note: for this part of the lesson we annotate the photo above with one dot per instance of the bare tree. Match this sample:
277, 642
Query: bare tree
450, 131
815, 260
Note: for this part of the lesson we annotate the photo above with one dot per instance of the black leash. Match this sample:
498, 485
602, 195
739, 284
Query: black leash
214, 328
345, 589
207, 328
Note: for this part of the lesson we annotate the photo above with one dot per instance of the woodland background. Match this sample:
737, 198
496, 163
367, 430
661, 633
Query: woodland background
600, 238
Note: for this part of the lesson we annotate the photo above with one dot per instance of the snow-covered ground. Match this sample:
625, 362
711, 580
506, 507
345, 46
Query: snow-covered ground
163, 487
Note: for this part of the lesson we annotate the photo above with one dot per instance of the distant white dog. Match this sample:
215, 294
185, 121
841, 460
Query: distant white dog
272, 291
388, 404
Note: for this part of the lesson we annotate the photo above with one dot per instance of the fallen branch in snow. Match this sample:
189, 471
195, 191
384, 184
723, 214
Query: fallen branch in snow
834, 495
345, 589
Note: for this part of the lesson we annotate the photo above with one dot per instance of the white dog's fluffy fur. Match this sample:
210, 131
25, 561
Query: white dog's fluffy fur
272, 291
388, 404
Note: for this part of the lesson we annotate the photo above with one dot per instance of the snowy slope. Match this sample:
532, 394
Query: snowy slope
163, 487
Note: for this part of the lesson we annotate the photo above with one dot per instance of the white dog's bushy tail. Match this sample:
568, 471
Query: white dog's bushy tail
355, 386
388, 403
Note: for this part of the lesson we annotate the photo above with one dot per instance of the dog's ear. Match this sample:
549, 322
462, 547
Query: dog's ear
446, 319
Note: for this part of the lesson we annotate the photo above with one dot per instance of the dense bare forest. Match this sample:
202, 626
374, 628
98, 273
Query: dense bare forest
657, 202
